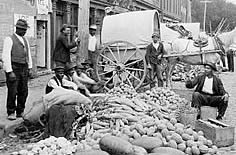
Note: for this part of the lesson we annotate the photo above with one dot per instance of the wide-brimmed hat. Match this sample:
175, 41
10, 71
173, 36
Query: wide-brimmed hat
69, 66
21, 23
212, 65
94, 27
57, 68
157, 34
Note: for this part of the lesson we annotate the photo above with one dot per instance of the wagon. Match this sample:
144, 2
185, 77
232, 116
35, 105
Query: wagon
124, 39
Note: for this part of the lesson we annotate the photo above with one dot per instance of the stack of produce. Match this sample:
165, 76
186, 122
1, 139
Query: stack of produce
137, 124
181, 71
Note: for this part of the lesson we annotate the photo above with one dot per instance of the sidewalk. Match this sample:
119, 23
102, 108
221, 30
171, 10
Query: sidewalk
36, 91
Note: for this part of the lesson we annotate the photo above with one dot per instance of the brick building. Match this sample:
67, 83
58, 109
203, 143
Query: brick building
47, 16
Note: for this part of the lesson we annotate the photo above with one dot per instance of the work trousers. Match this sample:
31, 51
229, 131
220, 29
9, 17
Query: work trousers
156, 71
230, 58
17, 89
202, 99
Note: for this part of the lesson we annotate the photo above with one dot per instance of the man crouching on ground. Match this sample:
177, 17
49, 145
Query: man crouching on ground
58, 81
209, 91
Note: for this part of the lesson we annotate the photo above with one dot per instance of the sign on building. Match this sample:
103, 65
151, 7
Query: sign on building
30, 21
44, 6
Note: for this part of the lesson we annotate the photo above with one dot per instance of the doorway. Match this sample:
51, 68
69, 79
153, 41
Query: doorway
41, 44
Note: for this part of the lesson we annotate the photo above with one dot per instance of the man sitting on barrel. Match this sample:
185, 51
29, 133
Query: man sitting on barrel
209, 91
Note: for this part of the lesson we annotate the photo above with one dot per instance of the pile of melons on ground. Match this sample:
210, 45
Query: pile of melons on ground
130, 123
182, 70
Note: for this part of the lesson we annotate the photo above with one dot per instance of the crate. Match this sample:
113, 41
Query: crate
208, 112
220, 133
188, 119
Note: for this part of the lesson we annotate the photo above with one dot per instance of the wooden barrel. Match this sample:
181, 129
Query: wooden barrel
208, 112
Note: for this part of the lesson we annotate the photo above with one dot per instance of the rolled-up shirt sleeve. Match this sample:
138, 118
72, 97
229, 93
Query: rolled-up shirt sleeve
6, 54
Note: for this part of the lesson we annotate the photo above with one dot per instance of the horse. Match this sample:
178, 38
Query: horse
191, 52
228, 39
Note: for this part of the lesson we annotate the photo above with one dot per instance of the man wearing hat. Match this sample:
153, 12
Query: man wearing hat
71, 75
209, 91
61, 53
58, 81
92, 45
17, 63
154, 54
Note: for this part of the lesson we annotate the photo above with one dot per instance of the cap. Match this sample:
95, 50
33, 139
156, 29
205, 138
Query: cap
157, 34
94, 27
69, 66
21, 23
213, 66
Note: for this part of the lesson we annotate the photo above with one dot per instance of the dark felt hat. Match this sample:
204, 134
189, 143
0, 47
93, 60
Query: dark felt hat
21, 23
59, 68
213, 66
69, 66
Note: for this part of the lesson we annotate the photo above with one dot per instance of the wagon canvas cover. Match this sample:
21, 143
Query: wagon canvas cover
135, 27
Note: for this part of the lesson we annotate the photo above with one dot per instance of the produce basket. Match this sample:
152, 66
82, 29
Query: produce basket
188, 118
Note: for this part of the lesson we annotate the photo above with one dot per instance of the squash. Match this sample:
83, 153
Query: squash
148, 143
176, 137
203, 149
137, 150
172, 144
165, 132
115, 145
94, 152
181, 147
166, 151
195, 150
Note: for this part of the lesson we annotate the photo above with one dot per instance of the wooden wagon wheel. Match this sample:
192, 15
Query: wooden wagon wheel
121, 62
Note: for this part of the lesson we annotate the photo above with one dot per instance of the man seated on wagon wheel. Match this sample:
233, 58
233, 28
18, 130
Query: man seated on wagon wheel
154, 55
209, 91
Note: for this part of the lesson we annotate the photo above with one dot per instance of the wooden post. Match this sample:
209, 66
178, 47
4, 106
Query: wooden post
54, 28
83, 29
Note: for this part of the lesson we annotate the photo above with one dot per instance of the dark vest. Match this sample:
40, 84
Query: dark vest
49, 89
19, 52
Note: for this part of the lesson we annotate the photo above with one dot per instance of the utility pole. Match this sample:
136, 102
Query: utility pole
204, 22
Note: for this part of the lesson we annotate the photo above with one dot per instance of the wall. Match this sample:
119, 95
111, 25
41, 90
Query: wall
7, 10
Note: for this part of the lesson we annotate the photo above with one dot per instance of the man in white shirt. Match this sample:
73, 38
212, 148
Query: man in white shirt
59, 81
209, 91
92, 45
17, 63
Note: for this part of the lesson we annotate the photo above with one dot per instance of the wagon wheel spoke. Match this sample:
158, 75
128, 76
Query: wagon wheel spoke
130, 56
132, 75
110, 78
108, 59
107, 65
118, 51
126, 48
130, 83
135, 69
134, 62
112, 53
106, 72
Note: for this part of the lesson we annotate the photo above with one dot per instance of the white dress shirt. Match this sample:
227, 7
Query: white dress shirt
207, 87
6, 53
52, 83
156, 45
92, 43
